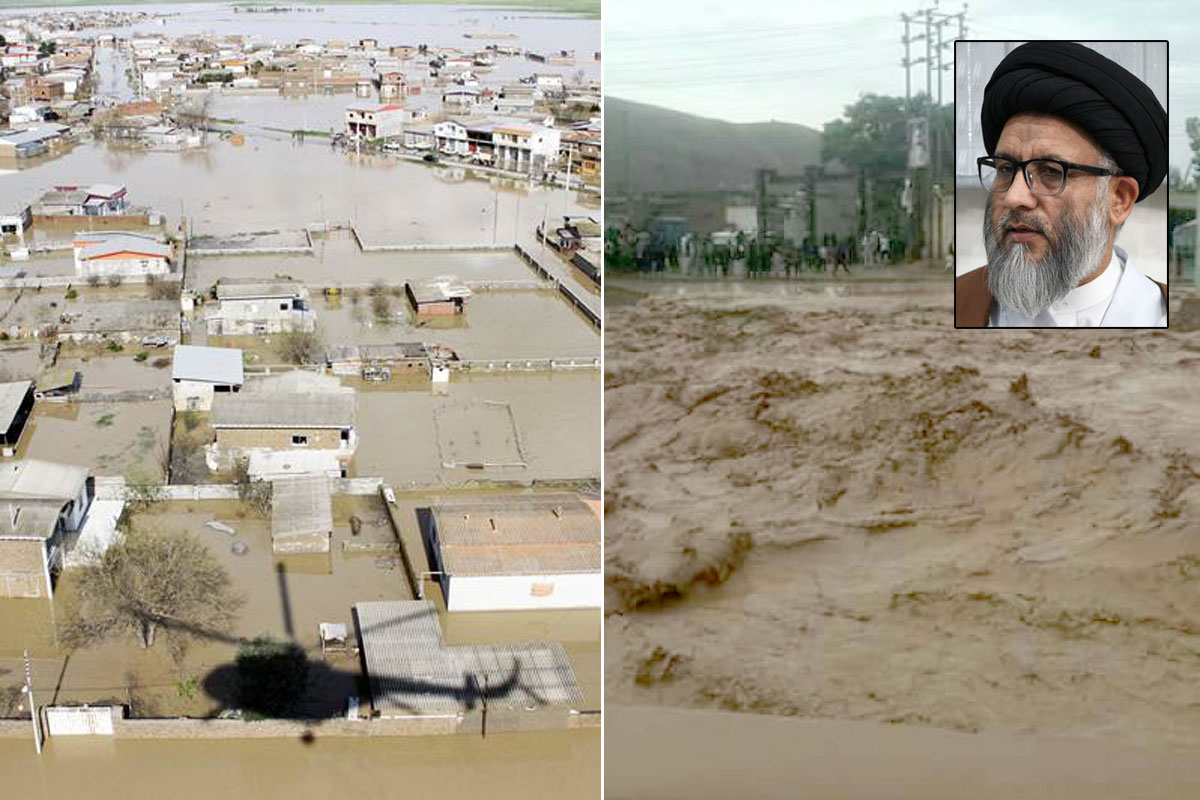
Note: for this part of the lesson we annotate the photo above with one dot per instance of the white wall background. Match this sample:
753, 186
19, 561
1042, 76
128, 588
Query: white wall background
1145, 233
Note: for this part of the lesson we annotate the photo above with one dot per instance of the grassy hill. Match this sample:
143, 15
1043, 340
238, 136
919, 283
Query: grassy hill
651, 149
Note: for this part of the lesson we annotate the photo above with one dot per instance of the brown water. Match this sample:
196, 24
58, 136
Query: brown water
557, 418
893, 521
512, 765
341, 263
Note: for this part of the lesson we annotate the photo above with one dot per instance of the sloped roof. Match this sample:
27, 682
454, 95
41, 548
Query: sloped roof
109, 244
210, 364
411, 670
12, 394
273, 410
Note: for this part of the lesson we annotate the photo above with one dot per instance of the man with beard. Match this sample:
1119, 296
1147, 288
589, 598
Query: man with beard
1074, 141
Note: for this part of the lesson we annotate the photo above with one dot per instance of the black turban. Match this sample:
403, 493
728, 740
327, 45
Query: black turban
1079, 85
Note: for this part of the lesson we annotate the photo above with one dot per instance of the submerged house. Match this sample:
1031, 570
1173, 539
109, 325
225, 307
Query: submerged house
16, 404
374, 120
516, 553
198, 373
301, 514
247, 307
437, 298
254, 424
40, 503
120, 253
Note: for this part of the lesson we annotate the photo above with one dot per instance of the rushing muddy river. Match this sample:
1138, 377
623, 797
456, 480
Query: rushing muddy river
897, 522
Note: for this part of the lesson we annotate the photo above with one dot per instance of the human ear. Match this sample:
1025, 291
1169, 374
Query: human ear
1122, 194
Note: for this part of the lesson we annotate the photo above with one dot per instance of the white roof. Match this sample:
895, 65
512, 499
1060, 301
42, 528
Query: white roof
41, 480
12, 394
209, 364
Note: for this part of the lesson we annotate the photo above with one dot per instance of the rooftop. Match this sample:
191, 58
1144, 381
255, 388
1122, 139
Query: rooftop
210, 364
12, 394
273, 410
233, 289
301, 505
101, 245
511, 535
297, 382
412, 671
41, 480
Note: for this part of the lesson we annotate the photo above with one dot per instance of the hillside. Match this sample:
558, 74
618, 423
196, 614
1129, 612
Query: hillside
647, 148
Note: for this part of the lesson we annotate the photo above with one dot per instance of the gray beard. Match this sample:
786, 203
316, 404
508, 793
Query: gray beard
1029, 286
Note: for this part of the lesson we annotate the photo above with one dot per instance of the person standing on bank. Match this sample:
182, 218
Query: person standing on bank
1074, 142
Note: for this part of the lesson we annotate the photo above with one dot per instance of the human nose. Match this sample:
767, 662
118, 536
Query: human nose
1019, 195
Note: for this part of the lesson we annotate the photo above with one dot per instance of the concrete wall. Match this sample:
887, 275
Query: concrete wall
193, 396
22, 568
466, 723
516, 592
121, 266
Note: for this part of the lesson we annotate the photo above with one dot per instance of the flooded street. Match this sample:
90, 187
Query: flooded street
452, 767
255, 185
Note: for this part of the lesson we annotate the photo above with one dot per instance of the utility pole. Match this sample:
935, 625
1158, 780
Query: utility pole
930, 223
33, 709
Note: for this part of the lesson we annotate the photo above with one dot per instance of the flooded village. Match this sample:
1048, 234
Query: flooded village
300, 397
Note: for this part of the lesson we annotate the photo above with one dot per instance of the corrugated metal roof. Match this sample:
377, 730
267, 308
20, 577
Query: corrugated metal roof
12, 394
518, 536
101, 245
411, 670
300, 506
282, 411
210, 364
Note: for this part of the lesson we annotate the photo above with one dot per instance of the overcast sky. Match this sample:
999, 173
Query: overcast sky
753, 61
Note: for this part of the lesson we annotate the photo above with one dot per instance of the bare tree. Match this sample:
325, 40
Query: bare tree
152, 580
301, 347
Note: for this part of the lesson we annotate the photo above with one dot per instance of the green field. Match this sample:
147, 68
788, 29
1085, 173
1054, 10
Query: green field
589, 7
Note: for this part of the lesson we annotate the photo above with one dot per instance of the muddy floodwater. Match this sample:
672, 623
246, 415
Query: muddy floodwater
513, 765
555, 417
897, 522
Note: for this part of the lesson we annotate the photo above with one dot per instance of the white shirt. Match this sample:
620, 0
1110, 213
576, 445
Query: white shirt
1120, 297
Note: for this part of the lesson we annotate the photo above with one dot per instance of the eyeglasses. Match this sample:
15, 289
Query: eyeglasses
1044, 176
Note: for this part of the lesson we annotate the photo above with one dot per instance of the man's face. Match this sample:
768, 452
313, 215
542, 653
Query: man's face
1040, 247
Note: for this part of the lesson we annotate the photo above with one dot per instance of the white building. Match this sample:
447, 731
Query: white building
525, 146
374, 120
40, 503
516, 553
200, 372
255, 307
120, 253
451, 138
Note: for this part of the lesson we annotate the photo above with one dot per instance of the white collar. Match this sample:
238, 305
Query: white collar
1095, 292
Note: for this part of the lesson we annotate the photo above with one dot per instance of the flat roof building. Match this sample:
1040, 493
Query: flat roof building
516, 552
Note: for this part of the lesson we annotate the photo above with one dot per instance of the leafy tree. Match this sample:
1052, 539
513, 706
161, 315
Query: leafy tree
152, 580
46, 49
871, 137
272, 676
